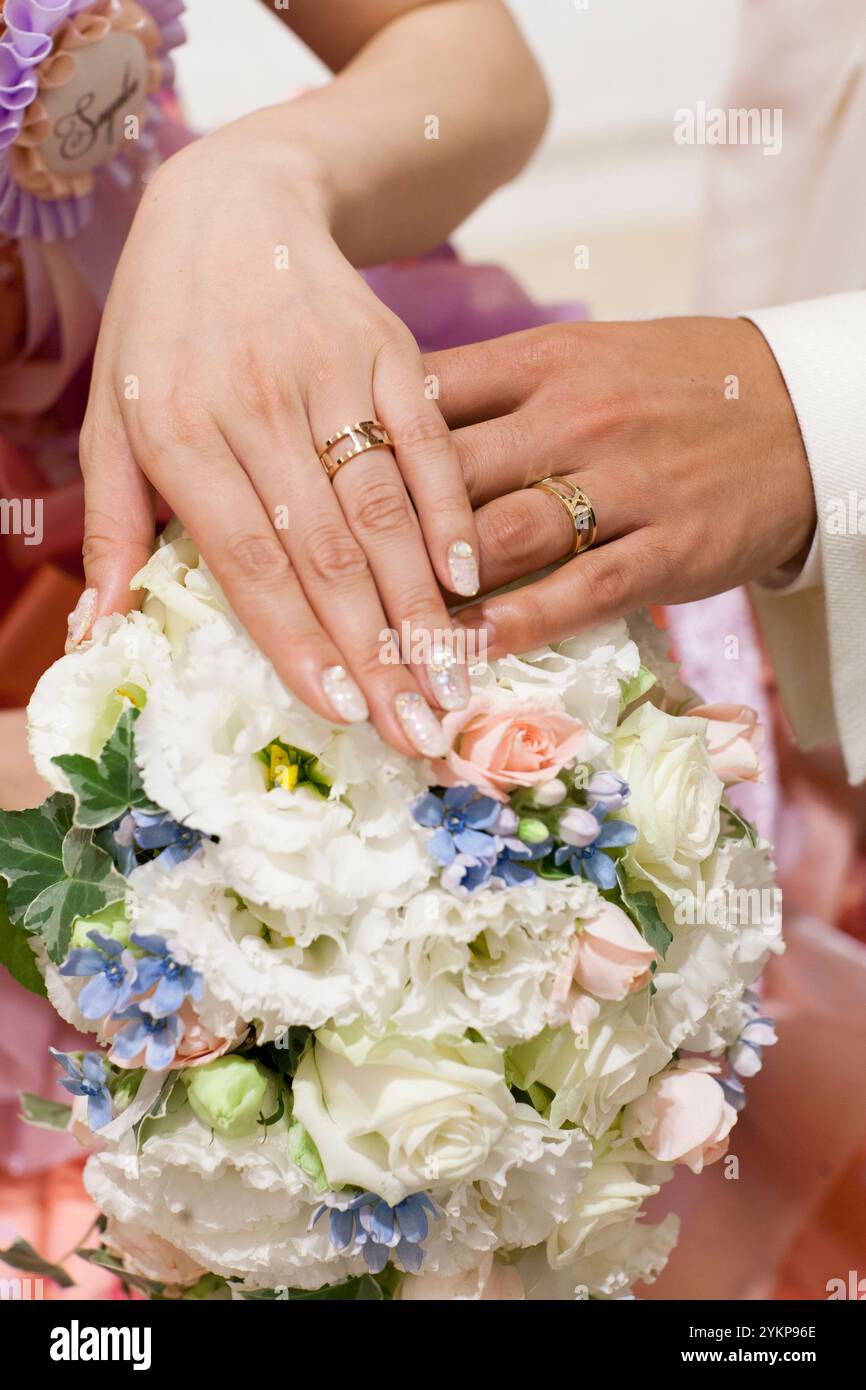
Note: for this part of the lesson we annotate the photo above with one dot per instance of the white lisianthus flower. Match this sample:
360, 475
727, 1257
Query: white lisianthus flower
723, 937
621, 1179
238, 1207
253, 969
79, 699
181, 593
492, 1280
581, 676
489, 961
675, 797
397, 1115
312, 856
595, 1071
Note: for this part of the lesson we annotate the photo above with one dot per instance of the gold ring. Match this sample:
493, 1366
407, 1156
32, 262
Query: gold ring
364, 436
581, 512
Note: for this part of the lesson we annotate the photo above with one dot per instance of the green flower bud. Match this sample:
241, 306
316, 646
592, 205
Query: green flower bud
532, 831
228, 1094
112, 921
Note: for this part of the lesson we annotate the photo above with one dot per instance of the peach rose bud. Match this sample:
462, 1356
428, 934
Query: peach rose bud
684, 1118
611, 958
735, 739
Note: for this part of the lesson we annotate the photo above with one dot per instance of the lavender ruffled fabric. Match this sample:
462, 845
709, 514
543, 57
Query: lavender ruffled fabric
27, 42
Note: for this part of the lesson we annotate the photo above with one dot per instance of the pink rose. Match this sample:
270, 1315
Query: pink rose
492, 1280
684, 1118
145, 1253
499, 748
735, 740
609, 959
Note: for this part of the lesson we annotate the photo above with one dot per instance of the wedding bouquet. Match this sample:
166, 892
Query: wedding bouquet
368, 1027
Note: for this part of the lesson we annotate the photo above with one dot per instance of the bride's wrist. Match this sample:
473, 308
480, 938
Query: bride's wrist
256, 149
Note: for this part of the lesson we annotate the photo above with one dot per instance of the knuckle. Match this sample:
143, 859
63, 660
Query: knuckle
420, 607
174, 420
334, 555
258, 559
512, 535
609, 583
424, 433
383, 509
471, 467
257, 389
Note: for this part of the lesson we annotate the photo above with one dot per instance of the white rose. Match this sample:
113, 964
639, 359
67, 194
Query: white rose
594, 1072
398, 1115
675, 797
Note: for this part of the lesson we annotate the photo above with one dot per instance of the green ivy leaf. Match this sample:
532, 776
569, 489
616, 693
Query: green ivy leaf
86, 882
106, 1260
31, 857
15, 952
21, 1255
107, 789
643, 908
739, 825
44, 1114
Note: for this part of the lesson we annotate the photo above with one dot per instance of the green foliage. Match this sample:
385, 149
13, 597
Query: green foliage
15, 952
54, 871
642, 908
21, 1255
106, 789
44, 1114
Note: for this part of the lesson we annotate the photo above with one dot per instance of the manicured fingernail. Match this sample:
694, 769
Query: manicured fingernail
463, 568
345, 697
449, 679
420, 724
79, 622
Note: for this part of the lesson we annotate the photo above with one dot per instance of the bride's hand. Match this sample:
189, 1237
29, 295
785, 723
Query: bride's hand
680, 431
236, 340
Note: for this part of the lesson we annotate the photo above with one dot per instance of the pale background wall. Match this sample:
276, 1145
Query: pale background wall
608, 176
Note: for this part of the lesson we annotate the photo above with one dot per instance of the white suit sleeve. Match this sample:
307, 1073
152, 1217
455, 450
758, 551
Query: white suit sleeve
816, 625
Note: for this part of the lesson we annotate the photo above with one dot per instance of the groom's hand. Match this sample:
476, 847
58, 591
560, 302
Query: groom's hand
680, 431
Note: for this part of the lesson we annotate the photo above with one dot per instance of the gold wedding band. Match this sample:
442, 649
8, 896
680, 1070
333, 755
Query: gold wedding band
581, 512
364, 436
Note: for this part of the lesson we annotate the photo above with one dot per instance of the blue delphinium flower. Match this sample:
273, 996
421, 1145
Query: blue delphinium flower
149, 831
587, 834
369, 1224
174, 981
157, 1038
471, 834
112, 970
465, 822
87, 1078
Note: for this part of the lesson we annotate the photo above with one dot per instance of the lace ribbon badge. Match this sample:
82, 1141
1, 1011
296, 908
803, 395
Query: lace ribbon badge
78, 86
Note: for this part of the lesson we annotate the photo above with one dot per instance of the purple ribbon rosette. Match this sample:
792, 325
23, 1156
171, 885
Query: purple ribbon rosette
79, 87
